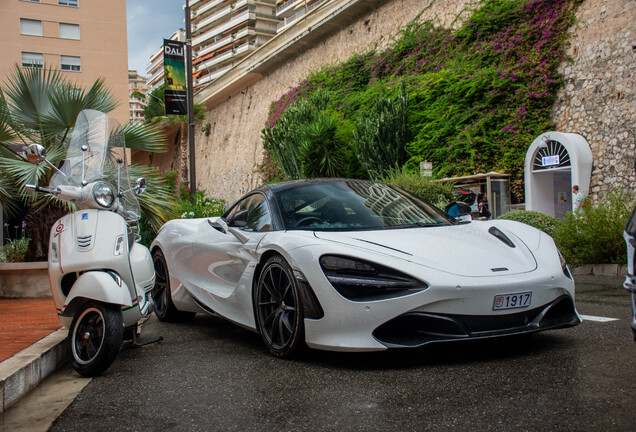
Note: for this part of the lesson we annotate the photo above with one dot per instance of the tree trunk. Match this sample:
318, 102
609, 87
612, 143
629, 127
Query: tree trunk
38, 228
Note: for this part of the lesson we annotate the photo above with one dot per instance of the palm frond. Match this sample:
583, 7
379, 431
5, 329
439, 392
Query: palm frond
27, 93
6, 130
157, 203
146, 137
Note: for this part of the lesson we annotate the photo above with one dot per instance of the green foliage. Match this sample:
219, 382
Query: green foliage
535, 219
477, 95
311, 140
164, 186
596, 236
14, 250
321, 149
155, 106
381, 134
202, 206
437, 193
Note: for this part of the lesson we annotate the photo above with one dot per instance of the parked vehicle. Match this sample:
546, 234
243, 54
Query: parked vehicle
629, 234
350, 265
101, 278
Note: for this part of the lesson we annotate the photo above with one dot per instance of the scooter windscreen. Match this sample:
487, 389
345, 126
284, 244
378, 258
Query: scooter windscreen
97, 153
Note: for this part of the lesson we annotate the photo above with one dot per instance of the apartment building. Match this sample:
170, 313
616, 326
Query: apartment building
225, 31
136, 96
85, 39
290, 11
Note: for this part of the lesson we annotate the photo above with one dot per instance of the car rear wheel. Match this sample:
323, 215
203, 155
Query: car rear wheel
165, 309
279, 312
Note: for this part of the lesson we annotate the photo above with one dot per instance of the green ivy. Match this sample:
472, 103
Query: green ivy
477, 96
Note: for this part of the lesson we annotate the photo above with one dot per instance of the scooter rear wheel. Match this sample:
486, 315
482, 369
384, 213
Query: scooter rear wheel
94, 338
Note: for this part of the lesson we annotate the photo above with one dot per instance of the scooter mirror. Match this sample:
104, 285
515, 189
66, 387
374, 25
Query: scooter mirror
140, 185
36, 153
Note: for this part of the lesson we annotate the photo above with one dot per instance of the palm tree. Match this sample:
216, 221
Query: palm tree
40, 105
176, 125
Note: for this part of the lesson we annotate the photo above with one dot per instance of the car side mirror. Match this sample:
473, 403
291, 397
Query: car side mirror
238, 219
36, 153
459, 211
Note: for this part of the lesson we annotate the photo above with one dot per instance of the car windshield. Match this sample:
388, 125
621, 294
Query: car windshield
354, 205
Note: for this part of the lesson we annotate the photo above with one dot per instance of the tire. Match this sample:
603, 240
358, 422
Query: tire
165, 309
278, 308
94, 338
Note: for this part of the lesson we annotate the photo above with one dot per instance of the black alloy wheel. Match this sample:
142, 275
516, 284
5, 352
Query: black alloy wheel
279, 313
165, 309
95, 337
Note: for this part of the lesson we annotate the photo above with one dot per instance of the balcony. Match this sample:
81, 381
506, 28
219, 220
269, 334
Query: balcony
214, 75
205, 8
235, 21
288, 6
217, 16
225, 41
235, 52
292, 19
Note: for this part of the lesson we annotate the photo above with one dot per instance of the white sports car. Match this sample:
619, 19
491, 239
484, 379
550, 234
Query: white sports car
350, 265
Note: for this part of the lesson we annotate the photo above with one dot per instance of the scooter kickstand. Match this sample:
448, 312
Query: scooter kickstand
139, 344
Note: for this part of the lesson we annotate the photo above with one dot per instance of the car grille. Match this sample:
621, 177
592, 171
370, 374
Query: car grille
418, 328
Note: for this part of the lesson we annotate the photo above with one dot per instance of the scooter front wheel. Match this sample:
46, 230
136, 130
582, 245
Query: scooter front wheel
94, 338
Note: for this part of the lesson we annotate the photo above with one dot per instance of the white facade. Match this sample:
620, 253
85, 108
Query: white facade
554, 163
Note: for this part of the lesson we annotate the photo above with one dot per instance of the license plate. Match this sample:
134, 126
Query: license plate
512, 301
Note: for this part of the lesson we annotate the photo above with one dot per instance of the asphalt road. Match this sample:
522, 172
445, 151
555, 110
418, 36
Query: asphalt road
209, 375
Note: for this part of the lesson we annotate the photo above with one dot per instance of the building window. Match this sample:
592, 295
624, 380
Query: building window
71, 63
30, 27
32, 60
67, 2
69, 31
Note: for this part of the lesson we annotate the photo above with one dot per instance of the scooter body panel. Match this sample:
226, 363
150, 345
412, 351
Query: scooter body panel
86, 248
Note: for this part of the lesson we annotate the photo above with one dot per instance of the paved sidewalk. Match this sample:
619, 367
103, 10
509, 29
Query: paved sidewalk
24, 322
32, 346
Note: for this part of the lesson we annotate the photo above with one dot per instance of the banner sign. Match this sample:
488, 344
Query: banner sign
176, 99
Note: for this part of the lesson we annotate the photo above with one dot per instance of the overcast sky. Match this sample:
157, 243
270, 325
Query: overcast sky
149, 22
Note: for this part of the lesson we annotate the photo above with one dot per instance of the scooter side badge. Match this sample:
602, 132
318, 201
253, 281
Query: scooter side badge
59, 228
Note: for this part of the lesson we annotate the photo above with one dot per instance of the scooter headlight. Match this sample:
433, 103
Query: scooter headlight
103, 195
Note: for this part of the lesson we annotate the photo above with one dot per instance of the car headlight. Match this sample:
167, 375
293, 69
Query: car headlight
359, 280
103, 195
564, 266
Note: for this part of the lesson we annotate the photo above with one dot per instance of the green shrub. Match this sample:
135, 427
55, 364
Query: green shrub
596, 236
437, 193
15, 250
535, 219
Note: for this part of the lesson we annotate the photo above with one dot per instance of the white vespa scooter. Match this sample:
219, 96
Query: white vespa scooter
101, 278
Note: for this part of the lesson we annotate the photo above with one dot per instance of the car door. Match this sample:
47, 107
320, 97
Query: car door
228, 254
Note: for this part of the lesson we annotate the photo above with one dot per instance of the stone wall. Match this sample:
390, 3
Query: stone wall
226, 159
598, 100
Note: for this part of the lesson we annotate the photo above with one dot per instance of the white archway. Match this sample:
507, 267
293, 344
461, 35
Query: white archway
554, 162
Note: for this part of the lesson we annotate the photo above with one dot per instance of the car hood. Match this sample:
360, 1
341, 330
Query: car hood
464, 250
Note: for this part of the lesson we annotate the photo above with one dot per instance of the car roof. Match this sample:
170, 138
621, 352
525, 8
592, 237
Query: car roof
276, 187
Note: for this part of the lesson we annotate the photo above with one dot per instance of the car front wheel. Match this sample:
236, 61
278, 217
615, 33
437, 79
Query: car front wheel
279, 313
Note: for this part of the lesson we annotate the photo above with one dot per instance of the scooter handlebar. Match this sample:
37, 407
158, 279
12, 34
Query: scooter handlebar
42, 189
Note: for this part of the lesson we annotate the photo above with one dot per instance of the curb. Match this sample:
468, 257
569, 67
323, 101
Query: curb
25, 370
